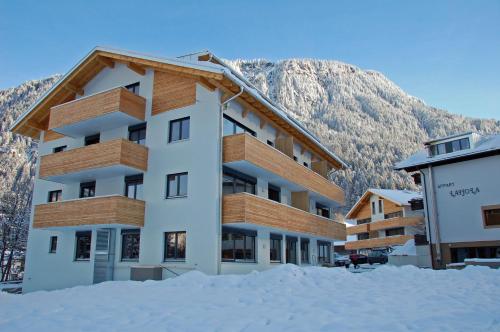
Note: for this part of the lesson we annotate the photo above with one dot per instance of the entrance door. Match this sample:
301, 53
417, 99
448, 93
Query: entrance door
291, 250
104, 256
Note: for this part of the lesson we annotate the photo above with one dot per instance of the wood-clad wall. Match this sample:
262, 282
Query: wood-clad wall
285, 145
300, 200
378, 242
172, 91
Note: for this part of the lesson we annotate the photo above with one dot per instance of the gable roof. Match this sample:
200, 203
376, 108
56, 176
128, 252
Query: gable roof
398, 197
209, 68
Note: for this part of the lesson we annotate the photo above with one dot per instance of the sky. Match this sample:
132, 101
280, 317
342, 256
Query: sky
446, 53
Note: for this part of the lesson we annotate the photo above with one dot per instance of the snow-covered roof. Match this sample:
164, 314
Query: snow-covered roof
485, 145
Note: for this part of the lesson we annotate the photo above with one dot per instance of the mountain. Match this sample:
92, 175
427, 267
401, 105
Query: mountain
359, 114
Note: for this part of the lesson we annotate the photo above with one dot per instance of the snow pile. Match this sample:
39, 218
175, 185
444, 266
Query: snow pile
285, 298
407, 249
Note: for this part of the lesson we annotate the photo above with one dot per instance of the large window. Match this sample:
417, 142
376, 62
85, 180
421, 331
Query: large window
131, 239
232, 127
175, 246
491, 215
322, 210
448, 147
458, 255
134, 87
274, 193
92, 139
323, 252
87, 189
235, 182
54, 196
393, 215
177, 185
291, 250
304, 251
53, 244
275, 248
83, 242
179, 130
395, 231
134, 187
238, 245
137, 133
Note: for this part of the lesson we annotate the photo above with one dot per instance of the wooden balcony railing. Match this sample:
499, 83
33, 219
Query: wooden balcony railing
385, 224
379, 242
363, 228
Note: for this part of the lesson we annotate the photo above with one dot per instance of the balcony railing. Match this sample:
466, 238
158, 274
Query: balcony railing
247, 208
385, 224
244, 147
379, 242
95, 211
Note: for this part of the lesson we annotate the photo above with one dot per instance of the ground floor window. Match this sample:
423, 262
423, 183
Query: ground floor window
304, 251
458, 255
238, 245
275, 248
83, 242
53, 244
175, 246
291, 250
130, 244
395, 231
323, 252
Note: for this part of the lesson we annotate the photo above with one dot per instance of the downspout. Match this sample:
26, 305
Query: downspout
428, 220
221, 141
435, 215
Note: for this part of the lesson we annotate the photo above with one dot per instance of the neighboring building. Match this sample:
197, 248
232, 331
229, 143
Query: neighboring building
384, 218
460, 175
182, 163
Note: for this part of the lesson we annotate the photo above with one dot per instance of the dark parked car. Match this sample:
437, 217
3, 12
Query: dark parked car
357, 259
377, 256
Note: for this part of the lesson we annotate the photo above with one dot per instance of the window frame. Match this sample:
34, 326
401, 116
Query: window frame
307, 251
237, 124
235, 175
180, 121
53, 244
58, 196
374, 208
271, 187
329, 249
320, 207
380, 206
133, 87
90, 138
85, 185
134, 180
397, 230
176, 255
484, 210
140, 128
82, 234
178, 184
273, 239
129, 232
246, 234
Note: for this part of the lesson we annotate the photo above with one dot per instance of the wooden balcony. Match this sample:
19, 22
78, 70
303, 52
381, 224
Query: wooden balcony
357, 229
379, 242
396, 222
246, 148
100, 211
111, 158
106, 110
244, 208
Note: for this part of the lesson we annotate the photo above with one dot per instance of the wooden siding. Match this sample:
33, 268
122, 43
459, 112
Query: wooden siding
285, 145
246, 147
115, 152
363, 228
115, 100
248, 208
320, 167
378, 242
90, 211
300, 200
396, 222
172, 91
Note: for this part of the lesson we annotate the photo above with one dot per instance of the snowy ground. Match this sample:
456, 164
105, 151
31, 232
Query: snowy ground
285, 298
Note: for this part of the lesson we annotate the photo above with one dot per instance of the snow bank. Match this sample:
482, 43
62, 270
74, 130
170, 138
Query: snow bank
285, 298
407, 249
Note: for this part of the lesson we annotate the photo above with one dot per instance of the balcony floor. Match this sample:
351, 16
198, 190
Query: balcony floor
98, 124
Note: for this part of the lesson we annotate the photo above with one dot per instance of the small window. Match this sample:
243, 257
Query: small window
322, 210
304, 251
295, 158
179, 130
83, 242
92, 139
55, 196
177, 185
275, 248
270, 143
137, 133
373, 208
134, 187
491, 215
306, 164
134, 87
380, 207
232, 127
175, 246
363, 236
464, 144
131, 239
87, 189
60, 148
417, 204
274, 193
395, 231
323, 252
238, 245
53, 244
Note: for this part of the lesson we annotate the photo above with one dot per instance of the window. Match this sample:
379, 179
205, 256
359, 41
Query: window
238, 245
363, 236
322, 210
134, 87
53, 244
235, 182
417, 204
274, 193
60, 148
137, 133
304, 251
131, 239
458, 255
306, 164
179, 130
291, 250
395, 231
270, 143
232, 127
175, 246
380, 208
92, 139
323, 252
451, 146
55, 196
364, 221
491, 215
393, 215
83, 242
177, 185
295, 158
373, 208
133, 186
87, 189
275, 248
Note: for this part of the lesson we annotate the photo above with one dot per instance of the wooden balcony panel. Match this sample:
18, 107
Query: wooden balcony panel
106, 210
244, 147
378, 242
107, 102
357, 229
247, 208
396, 222
115, 152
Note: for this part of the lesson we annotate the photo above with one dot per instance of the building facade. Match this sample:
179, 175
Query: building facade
460, 176
383, 218
179, 163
